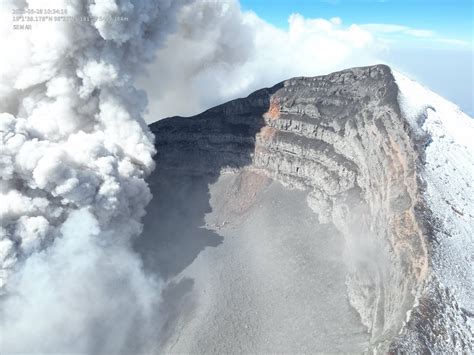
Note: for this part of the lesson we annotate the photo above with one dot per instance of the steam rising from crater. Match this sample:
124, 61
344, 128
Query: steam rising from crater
75, 152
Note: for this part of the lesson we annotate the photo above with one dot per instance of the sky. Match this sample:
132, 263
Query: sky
430, 40
451, 19
224, 49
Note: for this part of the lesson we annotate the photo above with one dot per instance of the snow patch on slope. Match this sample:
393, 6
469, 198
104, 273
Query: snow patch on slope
449, 176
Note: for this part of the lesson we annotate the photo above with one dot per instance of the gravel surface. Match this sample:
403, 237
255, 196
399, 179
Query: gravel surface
249, 269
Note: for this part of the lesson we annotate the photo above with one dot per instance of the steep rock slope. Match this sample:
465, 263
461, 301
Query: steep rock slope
360, 149
442, 319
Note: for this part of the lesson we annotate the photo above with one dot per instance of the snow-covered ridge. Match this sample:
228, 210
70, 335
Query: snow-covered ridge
448, 172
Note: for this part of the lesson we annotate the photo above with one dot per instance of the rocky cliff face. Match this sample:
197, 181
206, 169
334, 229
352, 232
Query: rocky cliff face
342, 139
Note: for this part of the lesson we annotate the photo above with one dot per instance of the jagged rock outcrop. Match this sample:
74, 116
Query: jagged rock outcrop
343, 139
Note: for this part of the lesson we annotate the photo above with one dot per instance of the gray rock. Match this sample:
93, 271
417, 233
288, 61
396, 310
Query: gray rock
341, 139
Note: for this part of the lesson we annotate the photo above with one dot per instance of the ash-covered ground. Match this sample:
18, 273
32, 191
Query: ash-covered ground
250, 268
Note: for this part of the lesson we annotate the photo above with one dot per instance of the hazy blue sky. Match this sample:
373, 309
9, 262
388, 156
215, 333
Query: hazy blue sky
449, 18
432, 40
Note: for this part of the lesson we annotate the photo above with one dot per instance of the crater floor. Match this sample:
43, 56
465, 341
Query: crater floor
248, 268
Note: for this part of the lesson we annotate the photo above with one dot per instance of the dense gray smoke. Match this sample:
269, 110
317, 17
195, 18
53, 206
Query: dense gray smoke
74, 155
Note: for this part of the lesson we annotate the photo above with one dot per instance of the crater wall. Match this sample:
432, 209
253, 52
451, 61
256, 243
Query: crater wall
342, 138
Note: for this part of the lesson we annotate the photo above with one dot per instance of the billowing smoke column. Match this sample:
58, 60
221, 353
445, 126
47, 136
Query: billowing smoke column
74, 155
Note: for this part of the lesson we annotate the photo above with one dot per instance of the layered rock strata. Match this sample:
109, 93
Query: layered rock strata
342, 138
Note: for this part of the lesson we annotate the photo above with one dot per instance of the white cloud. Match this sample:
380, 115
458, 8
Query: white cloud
399, 35
387, 28
220, 53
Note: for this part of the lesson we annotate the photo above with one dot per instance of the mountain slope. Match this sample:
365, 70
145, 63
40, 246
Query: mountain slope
361, 148
447, 174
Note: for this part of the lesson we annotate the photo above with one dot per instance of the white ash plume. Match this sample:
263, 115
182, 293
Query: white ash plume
74, 155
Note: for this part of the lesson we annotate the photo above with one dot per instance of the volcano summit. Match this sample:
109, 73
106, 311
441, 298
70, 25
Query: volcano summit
333, 213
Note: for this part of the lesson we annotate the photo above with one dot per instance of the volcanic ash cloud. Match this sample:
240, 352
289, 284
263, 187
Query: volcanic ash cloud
74, 155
